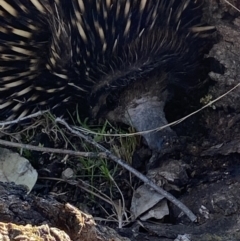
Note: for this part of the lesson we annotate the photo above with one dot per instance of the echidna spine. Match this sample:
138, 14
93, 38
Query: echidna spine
53, 51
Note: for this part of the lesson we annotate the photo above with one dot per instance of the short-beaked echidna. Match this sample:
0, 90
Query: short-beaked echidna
60, 51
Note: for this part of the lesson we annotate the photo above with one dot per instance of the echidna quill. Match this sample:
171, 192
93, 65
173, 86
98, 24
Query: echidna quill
88, 51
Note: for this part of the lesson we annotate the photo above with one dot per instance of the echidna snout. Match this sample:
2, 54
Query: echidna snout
142, 105
54, 52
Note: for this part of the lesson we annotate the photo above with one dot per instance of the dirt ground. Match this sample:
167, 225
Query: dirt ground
212, 144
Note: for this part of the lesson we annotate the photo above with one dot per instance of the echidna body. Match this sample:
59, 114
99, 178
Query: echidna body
56, 51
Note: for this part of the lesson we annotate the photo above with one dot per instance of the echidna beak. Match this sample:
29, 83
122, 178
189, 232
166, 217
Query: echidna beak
148, 116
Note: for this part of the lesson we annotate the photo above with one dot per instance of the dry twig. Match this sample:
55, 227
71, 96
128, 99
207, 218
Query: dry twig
142, 177
53, 150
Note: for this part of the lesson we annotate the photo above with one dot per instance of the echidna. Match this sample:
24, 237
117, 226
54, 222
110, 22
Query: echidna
96, 52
